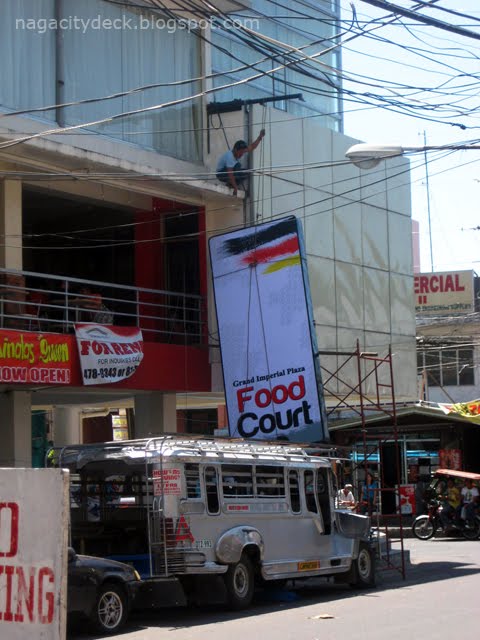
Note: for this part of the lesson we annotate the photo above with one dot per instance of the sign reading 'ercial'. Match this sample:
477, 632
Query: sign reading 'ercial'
33, 550
444, 293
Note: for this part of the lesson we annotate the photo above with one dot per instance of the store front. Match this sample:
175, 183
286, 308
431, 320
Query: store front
403, 462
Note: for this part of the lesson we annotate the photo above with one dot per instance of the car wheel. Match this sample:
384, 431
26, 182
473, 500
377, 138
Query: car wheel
363, 568
110, 611
239, 583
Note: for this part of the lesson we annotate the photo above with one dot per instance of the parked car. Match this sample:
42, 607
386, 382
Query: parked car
100, 590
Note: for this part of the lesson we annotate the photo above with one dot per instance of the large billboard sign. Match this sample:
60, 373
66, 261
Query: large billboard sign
444, 293
272, 379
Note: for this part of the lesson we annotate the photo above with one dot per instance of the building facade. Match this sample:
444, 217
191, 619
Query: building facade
107, 168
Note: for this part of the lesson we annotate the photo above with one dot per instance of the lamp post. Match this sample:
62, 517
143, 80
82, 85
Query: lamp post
367, 156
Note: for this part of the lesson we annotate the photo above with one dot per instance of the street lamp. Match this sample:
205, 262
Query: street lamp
367, 156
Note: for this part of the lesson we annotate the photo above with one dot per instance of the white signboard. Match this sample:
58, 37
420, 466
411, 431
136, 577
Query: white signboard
108, 354
34, 515
272, 379
167, 482
444, 293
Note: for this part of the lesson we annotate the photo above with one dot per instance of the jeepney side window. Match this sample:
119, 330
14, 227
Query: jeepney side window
211, 487
192, 478
309, 487
270, 481
237, 480
294, 489
324, 498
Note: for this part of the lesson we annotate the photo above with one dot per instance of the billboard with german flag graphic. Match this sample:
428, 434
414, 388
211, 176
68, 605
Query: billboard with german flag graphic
272, 380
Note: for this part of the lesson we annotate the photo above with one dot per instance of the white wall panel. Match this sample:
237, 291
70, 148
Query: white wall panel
319, 229
403, 313
349, 295
321, 274
377, 300
348, 231
375, 237
404, 358
373, 190
400, 243
397, 186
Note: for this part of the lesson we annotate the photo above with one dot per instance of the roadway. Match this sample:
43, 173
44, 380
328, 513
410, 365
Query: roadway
438, 600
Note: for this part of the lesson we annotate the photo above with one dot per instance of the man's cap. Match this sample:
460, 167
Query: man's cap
240, 144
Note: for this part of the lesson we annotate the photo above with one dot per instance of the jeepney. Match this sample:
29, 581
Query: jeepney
213, 516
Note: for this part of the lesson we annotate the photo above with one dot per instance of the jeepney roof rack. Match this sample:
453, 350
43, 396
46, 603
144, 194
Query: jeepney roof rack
81, 454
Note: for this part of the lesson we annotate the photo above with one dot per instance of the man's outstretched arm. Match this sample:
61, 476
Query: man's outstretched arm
254, 145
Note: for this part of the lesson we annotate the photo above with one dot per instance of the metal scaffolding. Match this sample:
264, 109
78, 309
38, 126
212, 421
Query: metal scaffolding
375, 374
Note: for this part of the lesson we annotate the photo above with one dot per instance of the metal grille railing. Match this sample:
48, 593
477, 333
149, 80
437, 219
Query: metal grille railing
31, 301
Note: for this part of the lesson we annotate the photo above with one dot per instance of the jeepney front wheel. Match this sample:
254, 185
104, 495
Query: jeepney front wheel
362, 573
239, 583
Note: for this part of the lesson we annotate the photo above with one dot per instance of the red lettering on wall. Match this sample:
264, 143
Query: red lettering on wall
7, 614
45, 617
25, 595
182, 531
14, 511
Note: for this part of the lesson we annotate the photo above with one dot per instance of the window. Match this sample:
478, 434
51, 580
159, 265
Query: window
448, 365
192, 477
294, 489
211, 487
237, 481
310, 492
270, 481
319, 94
89, 62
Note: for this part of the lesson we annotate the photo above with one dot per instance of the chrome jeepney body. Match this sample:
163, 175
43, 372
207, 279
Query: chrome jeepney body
204, 503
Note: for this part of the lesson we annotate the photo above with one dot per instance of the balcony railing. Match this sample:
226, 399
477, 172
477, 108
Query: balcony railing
31, 301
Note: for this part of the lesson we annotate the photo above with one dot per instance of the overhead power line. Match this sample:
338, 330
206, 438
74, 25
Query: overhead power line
432, 22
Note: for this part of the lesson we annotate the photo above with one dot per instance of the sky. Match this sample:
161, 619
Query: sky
448, 242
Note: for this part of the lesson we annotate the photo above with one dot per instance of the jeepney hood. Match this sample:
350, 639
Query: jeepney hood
352, 525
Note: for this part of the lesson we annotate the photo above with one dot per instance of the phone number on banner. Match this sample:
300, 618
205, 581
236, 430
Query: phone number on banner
108, 372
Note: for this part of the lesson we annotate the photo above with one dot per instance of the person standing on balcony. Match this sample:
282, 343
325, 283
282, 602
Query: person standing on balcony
229, 168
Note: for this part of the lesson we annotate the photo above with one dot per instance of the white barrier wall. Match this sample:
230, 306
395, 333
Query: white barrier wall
33, 553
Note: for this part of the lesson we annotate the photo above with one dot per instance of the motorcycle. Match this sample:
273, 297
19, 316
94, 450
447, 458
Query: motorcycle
426, 526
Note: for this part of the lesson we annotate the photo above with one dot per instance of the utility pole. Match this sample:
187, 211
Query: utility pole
427, 183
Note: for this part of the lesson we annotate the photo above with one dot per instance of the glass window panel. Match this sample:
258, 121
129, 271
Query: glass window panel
449, 367
294, 489
270, 481
309, 487
27, 51
118, 60
237, 481
432, 365
211, 487
466, 370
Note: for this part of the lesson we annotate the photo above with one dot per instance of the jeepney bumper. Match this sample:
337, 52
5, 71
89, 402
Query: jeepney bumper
155, 593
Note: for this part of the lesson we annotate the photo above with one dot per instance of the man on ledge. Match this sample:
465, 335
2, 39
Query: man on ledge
229, 169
